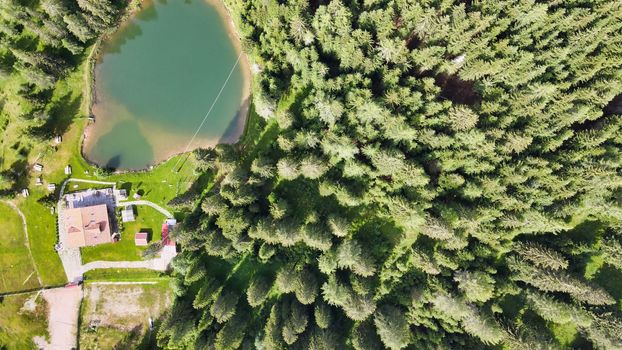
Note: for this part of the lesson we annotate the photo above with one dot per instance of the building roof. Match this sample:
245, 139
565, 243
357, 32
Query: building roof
166, 240
141, 238
127, 214
87, 226
122, 193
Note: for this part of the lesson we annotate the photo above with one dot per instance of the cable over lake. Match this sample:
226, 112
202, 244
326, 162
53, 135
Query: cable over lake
157, 77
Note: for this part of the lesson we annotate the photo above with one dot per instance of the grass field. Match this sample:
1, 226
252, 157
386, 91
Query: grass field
18, 327
67, 115
147, 220
124, 275
16, 269
117, 316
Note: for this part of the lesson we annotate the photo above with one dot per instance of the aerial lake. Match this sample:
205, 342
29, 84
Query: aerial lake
156, 79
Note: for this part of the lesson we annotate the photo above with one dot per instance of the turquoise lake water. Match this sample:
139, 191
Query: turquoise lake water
156, 79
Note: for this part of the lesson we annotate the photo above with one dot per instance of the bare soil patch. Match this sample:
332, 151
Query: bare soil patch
119, 313
64, 308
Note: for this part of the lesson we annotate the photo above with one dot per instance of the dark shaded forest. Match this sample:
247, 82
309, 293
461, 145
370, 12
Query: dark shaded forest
433, 175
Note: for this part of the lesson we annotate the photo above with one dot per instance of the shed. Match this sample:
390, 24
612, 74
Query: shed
39, 181
51, 187
38, 167
141, 239
58, 139
122, 194
25, 192
127, 214
68, 170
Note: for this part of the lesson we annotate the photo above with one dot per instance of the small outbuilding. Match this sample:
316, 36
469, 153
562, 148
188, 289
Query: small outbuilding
68, 170
39, 181
127, 214
166, 239
38, 167
141, 239
51, 187
25, 192
58, 139
122, 194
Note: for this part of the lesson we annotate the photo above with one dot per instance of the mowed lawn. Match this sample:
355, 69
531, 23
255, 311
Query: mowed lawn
16, 269
147, 220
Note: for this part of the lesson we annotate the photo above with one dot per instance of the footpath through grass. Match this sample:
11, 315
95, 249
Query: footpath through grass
16, 270
124, 275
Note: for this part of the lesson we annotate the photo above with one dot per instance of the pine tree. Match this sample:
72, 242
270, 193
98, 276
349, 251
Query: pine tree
476, 286
392, 327
224, 306
323, 315
258, 290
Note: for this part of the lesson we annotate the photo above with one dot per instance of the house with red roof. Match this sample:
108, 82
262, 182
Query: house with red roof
87, 226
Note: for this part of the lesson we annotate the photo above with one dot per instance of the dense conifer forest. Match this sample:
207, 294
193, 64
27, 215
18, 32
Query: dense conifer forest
433, 174
442, 175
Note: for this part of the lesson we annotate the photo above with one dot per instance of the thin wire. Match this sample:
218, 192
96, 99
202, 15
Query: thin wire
222, 88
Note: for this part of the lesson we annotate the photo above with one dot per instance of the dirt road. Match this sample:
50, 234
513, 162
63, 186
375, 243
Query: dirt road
64, 310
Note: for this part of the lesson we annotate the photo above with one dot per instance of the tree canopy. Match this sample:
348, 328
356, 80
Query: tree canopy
427, 173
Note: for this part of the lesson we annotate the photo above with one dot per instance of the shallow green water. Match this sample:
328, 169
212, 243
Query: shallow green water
156, 79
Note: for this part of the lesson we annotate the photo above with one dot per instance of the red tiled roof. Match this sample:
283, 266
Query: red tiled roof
140, 235
141, 239
165, 238
87, 226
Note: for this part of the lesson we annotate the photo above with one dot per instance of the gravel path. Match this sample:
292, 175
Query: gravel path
27, 242
130, 283
63, 313
164, 212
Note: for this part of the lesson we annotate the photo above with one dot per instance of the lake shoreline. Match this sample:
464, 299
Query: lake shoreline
240, 120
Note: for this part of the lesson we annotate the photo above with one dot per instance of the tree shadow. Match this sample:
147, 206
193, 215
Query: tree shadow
235, 129
18, 175
148, 231
138, 340
614, 106
113, 163
127, 186
130, 30
61, 115
610, 279
194, 192
457, 90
